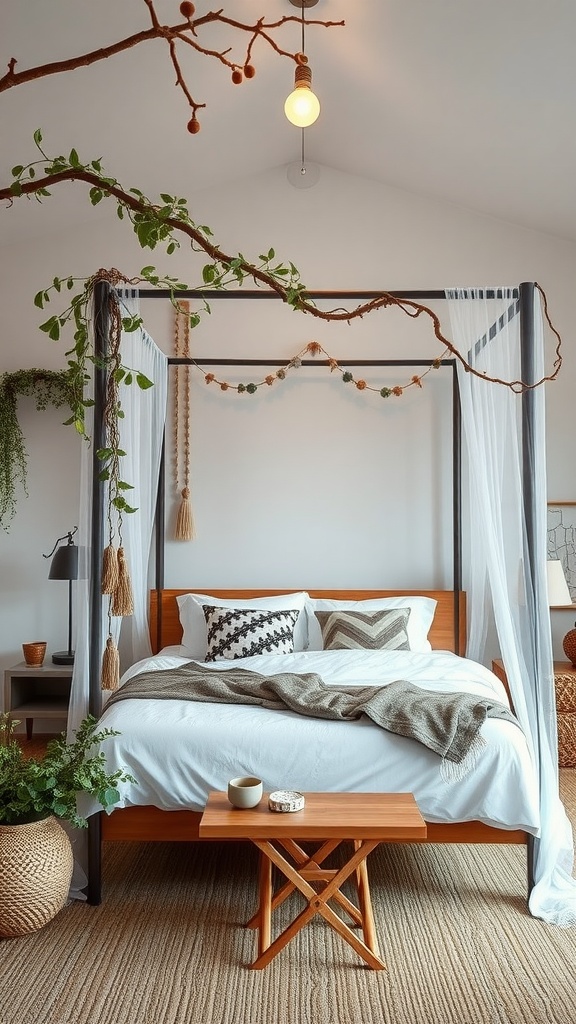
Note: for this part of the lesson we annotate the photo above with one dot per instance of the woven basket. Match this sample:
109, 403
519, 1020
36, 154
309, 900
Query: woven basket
565, 686
34, 653
35, 872
567, 741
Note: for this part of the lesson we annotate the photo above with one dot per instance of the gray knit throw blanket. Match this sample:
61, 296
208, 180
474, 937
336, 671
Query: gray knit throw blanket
447, 723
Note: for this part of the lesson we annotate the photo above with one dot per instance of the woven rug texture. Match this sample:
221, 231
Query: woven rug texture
168, 946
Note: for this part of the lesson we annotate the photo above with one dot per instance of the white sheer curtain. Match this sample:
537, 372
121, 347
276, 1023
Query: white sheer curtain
141, 433
505, 576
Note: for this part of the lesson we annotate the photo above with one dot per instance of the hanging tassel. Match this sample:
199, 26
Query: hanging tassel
110, 666
185, 522
110, 571
122, 601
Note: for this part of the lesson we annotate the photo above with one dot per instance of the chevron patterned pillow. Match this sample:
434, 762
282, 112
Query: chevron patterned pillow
373, 631
242, 632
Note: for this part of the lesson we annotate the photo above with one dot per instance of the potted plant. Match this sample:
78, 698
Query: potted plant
35, 851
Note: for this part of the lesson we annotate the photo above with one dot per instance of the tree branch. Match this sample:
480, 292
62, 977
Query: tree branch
184, 32
139, 204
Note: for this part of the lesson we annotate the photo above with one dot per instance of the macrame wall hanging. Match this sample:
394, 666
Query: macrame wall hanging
184, 519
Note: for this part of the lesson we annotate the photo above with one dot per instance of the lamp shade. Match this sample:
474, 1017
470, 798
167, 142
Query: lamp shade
558, 593
64, 565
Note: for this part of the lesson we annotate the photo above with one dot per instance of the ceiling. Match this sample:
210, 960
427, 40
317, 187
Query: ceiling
466, 102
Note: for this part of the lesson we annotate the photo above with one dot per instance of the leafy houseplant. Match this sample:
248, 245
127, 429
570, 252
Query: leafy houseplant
31, 789
36, 860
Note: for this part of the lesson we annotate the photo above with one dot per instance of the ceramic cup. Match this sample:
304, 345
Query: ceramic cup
245, 791
34, 652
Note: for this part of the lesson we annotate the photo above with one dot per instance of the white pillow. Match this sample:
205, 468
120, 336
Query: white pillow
422, 611
193, 622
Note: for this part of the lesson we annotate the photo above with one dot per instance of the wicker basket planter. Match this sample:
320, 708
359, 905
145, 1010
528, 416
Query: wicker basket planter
35, 873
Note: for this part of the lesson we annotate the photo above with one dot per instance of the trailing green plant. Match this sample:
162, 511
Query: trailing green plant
32, 788
47, 387
154, 225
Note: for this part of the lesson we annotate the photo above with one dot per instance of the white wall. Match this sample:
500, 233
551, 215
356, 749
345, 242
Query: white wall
345, 233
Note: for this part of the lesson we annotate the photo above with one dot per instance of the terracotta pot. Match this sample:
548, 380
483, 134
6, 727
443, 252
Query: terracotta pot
34, 653
35, 873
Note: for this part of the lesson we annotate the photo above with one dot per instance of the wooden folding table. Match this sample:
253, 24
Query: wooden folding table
329, 819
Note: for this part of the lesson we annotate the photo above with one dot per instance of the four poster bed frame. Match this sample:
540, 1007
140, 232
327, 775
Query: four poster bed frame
448, 631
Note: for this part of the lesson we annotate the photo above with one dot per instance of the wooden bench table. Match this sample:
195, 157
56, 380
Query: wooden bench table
365, 819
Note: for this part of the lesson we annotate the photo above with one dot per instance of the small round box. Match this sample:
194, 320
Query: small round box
285, 801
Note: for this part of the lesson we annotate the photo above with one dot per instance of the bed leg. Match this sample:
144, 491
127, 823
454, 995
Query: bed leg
530, 853
94, 887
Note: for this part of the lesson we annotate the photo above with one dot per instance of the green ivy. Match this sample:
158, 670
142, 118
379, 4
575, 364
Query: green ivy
47, 387
154, 224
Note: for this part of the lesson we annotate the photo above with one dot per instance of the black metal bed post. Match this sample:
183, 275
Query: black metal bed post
101, 325
526, 295
456, 503
456, 465
159, 529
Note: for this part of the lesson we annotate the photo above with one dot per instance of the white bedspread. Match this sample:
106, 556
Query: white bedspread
180, 750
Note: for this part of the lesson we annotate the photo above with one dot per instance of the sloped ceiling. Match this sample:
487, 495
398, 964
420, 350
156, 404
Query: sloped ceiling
472, 103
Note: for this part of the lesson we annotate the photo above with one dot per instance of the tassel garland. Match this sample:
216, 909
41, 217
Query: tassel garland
122, 600
110, 666
110, 570
185, 522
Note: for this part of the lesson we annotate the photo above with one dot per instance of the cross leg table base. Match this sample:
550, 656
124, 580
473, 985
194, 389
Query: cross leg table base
300, 875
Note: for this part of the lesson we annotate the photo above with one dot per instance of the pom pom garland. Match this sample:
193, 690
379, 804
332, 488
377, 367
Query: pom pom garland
314, 348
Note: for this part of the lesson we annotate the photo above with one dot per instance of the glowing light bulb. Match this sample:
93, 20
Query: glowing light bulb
302, 105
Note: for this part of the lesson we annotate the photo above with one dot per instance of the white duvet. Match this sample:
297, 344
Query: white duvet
180, 750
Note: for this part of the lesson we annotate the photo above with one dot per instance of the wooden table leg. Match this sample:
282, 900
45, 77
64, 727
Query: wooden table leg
365, 901
301, 859
318, 902
265, 905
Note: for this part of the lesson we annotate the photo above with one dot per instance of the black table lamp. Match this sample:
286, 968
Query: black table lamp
64, 566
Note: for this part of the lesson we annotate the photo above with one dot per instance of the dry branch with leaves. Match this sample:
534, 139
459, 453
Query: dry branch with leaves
168, 222
177, 36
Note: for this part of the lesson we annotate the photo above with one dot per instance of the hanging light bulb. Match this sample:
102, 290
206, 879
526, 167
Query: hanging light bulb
302, 105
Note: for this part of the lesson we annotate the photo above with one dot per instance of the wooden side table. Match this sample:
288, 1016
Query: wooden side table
366, 819
37, 692
565, 688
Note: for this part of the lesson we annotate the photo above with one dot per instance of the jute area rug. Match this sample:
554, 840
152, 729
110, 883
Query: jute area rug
168, 946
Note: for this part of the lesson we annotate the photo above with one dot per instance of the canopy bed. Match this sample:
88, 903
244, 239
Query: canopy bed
510, 574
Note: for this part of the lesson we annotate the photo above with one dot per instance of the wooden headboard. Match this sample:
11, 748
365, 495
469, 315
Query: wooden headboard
165, 628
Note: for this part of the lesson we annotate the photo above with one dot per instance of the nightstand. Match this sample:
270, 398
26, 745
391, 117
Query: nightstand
42, 692
565, 687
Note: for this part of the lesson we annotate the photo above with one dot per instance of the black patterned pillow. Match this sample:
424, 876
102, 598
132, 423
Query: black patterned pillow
373, 631
241, 632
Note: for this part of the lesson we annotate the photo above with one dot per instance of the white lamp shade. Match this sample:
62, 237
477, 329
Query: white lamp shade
558, 593
302, 107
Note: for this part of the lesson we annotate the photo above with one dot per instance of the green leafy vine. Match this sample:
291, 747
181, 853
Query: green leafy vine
153, 225
47, 387
168, 224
